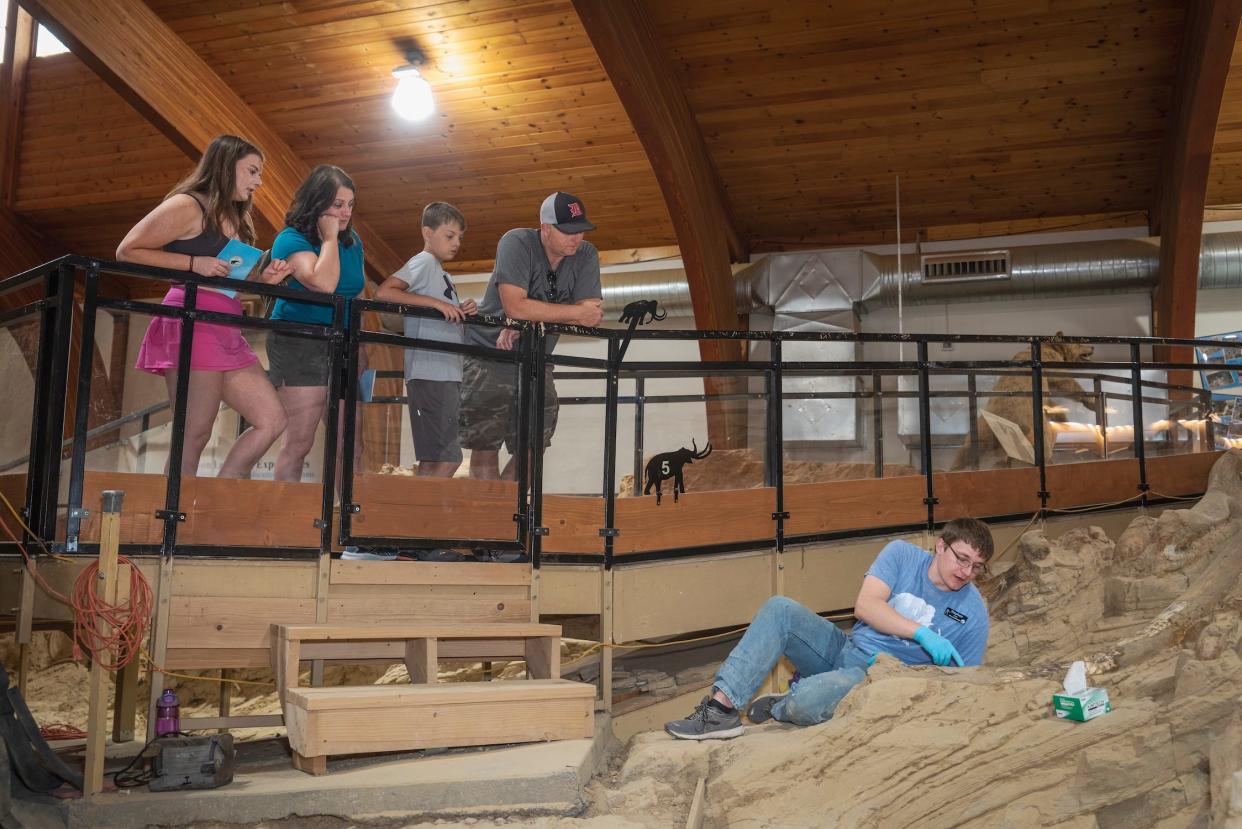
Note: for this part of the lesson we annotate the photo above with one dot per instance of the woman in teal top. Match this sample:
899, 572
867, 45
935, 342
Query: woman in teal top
324, 255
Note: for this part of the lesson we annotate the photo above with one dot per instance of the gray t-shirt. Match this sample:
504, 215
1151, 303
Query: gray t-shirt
423, 275
521, 261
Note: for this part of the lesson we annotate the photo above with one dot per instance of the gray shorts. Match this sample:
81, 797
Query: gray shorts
489, 404
297, 361
433, 419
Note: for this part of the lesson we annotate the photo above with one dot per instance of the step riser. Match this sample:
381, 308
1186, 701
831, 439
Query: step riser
406, 726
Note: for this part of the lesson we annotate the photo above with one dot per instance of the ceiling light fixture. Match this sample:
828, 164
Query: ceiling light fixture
412, 98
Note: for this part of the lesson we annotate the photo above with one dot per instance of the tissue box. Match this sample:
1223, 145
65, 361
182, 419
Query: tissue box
1082, 706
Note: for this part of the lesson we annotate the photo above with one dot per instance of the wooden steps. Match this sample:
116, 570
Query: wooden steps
426, 714
375, 718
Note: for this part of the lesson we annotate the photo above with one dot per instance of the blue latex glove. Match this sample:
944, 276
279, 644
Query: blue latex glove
941, 650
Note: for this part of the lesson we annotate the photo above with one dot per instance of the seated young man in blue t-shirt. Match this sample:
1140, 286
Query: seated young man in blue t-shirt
921, 608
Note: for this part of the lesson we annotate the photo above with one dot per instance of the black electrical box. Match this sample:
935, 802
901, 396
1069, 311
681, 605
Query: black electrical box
193, 763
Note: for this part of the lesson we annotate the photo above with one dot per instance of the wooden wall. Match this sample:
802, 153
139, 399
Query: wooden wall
266, 513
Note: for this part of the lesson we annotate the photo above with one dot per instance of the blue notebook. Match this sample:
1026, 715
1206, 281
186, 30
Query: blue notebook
241, 258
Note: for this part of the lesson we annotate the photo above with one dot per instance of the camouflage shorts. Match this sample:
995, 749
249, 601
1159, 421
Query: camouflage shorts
489, 404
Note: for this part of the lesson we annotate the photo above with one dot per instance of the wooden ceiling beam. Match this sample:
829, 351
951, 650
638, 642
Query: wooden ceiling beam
631, 53
157, 73
20, 37
1209, 34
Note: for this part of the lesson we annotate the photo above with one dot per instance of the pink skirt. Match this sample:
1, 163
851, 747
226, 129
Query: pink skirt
216, 347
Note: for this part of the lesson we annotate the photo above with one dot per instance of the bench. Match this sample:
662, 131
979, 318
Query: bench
425, 714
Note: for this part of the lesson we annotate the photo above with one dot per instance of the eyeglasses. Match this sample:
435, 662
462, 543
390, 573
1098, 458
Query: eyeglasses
964, 562
553, 294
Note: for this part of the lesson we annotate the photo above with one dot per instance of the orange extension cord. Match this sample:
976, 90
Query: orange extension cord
127, 621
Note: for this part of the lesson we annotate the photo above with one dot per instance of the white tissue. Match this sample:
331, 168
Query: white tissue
1076, 678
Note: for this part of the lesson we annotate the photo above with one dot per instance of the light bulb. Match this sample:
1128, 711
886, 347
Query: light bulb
412, 98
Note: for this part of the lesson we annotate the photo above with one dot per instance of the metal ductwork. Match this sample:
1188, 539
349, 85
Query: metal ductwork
823, 286
1113, 266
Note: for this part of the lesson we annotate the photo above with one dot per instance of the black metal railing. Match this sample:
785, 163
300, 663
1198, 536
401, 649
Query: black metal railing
59, 282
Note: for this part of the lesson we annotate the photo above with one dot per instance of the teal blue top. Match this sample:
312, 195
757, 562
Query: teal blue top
289, 242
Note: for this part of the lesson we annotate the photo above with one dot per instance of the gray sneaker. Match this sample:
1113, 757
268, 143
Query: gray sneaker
760, 709
709, 721
354, 554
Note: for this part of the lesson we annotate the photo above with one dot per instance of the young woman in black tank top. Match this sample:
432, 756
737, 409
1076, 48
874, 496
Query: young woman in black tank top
186, 232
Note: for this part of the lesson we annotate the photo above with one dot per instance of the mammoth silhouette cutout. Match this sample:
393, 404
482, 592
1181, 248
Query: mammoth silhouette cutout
641, 312
667, 465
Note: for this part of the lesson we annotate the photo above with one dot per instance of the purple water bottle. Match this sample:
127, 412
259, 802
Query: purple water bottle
167, 714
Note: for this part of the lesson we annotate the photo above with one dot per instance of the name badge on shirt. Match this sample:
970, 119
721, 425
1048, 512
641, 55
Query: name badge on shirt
960, 618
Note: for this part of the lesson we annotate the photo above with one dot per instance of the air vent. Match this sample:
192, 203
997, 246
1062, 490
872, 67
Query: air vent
941, 268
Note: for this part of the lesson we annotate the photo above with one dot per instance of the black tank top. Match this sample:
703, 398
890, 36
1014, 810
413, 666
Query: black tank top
207, 243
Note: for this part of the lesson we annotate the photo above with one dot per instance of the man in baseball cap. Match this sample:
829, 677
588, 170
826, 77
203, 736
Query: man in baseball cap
544, 274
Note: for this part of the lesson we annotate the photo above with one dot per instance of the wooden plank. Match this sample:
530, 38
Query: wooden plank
428, 609
1211, 31
698, 805
125, 704
842, 505
20, 39
469, 650
178, 659
443, 693
240, 579
97, 711
423, 572
225, 622
413, 507
1181, 474
159, 640
421, 661
311, 765
144, 494
986, 493
694, 520
543, 657
701, 593
1097, 482
327, 632
412, 726
573, 524
252, 513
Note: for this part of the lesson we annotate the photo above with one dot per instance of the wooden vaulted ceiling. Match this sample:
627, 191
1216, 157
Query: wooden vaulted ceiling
996, 114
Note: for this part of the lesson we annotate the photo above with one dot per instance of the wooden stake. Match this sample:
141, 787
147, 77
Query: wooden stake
106, 588
25, 628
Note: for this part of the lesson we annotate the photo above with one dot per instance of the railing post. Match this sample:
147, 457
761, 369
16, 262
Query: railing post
171, 514
925, 430
640, 411
972, 412
538, 362
349, 433
877, 421
776, 442
1136, 400
609, 530
47, 432
81, 415
1209, 432
1037, 423
522, 466
336, 358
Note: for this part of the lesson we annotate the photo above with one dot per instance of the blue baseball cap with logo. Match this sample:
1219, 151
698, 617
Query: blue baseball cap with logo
565, 212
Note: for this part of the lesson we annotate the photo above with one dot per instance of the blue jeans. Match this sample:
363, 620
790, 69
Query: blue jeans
828, 661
